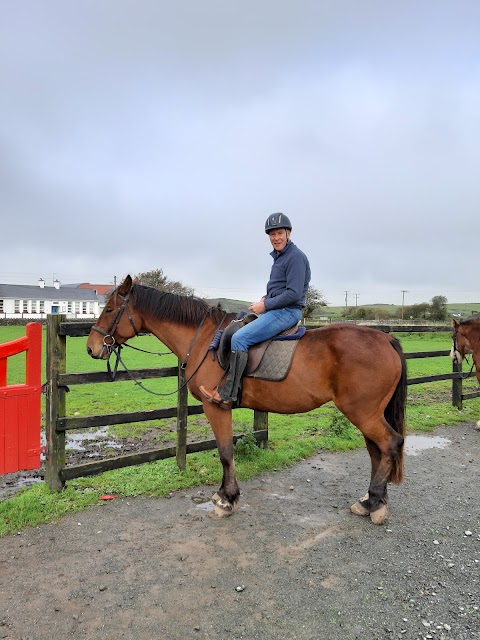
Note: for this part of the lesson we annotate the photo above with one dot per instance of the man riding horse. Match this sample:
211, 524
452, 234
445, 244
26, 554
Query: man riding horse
279, 309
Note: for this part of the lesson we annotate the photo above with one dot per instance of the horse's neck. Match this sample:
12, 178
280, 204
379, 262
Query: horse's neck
474, 337
178, 338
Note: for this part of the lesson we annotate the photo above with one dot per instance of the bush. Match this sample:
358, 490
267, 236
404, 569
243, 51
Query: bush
339, 424
20, 322
246, 447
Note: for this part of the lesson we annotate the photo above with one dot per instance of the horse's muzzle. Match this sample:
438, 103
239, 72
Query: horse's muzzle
455, 355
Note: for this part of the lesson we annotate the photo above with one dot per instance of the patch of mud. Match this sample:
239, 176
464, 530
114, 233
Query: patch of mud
96, 444
81, 447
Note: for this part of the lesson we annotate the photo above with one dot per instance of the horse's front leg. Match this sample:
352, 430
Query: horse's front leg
226, 498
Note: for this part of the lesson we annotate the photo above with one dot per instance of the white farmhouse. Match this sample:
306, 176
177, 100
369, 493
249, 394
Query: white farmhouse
30, 301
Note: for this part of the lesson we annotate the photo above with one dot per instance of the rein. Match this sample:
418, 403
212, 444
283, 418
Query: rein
118, 359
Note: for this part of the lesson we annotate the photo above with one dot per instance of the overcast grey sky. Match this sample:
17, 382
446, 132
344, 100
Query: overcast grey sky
140, 134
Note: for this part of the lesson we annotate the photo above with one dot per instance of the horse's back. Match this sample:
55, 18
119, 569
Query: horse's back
352, 338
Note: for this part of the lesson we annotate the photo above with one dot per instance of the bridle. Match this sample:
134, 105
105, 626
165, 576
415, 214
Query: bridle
109, 342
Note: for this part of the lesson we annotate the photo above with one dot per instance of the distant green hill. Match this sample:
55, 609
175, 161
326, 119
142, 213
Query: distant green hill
231, 306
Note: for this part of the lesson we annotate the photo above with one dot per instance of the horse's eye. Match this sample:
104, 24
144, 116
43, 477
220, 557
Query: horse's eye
107, 310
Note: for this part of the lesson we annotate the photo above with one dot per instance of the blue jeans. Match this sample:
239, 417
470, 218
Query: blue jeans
266, 326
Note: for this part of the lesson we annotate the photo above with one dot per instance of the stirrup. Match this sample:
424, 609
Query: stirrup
224, 404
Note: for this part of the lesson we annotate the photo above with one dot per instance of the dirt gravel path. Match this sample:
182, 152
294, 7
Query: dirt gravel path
293, 563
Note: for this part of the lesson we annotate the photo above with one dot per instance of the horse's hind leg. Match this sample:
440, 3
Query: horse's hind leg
385, 447
226, 498
362, 506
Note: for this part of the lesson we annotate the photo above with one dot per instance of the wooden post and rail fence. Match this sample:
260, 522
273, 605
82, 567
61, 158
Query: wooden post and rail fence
57, 423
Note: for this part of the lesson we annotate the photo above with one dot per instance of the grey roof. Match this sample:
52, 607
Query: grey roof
34, 292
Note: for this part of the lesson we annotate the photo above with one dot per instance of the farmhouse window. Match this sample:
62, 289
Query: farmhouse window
84, 307
42, 306
77, 307
16, 306
69, 307
1, 306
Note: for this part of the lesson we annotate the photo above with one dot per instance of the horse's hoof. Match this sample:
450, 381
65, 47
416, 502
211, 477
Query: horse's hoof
358, 509
222, 508
379, 516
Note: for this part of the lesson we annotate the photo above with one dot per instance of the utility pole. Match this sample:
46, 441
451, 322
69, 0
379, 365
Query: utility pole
403, 299
346, 301
356, 298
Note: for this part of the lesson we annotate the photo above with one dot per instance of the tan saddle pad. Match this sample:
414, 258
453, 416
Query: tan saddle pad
274, 362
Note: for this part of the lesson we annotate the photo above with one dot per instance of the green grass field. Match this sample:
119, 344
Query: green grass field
290, 437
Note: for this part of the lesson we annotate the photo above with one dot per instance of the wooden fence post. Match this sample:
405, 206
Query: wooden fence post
457, 386
55, 402
182, 415
260, 422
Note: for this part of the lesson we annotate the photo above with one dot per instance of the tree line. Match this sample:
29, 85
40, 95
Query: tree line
436, 309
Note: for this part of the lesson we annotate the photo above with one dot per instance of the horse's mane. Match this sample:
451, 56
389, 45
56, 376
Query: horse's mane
471, 321
161, 305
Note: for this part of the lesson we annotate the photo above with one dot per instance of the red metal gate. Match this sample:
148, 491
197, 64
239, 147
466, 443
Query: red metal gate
20, 405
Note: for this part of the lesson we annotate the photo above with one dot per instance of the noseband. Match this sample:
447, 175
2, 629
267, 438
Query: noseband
108, 336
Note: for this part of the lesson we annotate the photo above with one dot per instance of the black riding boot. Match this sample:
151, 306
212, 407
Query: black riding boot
238, 362
226, 396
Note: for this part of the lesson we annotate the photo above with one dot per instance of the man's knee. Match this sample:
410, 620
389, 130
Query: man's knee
237, 343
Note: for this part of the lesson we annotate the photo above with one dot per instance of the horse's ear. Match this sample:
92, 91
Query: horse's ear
136, 280
125, 287
455, 324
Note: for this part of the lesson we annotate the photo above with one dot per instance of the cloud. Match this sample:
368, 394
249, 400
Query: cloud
147, 135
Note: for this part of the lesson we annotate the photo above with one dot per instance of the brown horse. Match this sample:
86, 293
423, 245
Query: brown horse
466, 339
361, 369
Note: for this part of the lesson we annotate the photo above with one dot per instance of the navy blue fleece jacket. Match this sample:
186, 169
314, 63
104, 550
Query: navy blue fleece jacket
289, 279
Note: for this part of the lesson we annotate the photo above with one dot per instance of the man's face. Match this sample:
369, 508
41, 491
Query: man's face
279, 238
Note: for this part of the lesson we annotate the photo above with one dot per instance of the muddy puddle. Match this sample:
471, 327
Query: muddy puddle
79, 446
415, 444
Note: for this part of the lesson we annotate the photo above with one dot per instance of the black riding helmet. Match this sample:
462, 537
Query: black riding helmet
277, 221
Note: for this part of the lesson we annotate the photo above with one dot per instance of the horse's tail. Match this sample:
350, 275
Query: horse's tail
395, 413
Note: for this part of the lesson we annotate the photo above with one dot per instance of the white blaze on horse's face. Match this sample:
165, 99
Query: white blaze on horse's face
455, 355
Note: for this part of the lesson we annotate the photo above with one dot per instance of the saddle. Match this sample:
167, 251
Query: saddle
257, 351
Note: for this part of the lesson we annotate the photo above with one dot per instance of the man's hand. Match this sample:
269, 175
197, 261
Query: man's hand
257, 307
